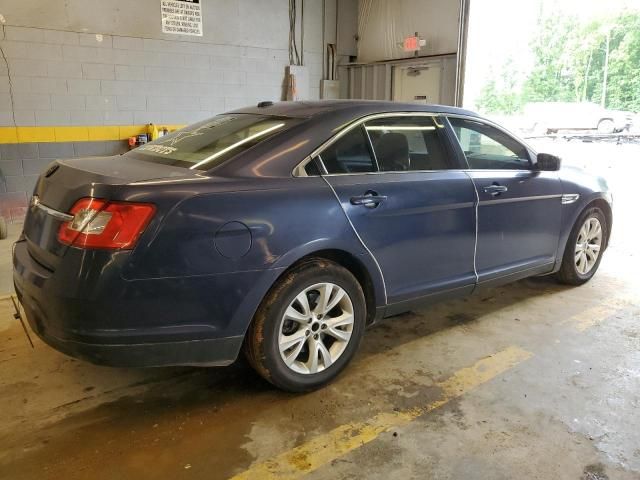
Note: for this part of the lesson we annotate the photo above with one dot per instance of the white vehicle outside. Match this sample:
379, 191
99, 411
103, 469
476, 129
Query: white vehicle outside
550, 117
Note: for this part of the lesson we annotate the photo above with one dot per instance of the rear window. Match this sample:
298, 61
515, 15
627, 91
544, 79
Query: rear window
204, 145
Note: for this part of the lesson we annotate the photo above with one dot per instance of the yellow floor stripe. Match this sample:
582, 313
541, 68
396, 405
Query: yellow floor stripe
325, 448
74, 134
591, 316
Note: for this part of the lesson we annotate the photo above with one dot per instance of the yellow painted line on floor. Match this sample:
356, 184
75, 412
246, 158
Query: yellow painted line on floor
591, 317
327, 447
74, 133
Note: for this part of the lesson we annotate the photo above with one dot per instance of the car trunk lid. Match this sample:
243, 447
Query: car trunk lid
66, 181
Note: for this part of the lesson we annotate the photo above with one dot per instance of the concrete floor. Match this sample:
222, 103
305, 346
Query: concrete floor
531, 380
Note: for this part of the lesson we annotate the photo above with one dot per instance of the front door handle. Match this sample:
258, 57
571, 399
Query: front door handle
369, 199
495, 189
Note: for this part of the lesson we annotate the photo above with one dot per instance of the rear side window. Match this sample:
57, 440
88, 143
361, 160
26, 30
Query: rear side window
408, 143
349, 154
488, 148
206, 144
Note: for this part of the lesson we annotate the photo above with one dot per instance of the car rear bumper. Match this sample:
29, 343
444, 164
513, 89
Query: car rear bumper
112, 321
207, 352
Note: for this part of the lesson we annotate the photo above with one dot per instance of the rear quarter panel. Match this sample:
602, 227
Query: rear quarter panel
286, 219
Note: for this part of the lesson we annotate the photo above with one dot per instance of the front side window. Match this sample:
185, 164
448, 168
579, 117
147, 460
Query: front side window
406, 143
349, 154
488, 148
209, 143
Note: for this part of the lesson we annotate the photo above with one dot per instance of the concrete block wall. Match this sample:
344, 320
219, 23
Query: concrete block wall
21, 164
108, 80
71, 63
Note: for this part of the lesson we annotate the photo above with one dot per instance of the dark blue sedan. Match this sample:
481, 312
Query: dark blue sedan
285, 229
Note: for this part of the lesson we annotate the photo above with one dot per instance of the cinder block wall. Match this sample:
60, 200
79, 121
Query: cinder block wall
78, 76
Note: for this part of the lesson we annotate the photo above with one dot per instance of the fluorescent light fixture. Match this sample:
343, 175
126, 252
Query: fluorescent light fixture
398, 127
237, 144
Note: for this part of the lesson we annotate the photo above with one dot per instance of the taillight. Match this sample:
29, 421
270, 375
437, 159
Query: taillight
101, 224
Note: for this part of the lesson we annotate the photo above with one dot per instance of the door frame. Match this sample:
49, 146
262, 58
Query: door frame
456, 166
527, 270
452, 147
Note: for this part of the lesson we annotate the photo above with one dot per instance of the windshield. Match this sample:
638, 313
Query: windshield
207, 144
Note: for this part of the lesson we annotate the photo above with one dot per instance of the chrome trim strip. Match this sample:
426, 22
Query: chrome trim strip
495, 125
373, 150
65, 217
374, 116
403, 172
475, 246
519, 199
367, 118
323, 167
300, 171
568, 198
407, 172
384, 284
428, 209
517, 272
357, 122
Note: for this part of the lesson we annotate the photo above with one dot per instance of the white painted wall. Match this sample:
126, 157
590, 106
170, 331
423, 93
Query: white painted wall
107, 62
383, 24
255, 23
97, 62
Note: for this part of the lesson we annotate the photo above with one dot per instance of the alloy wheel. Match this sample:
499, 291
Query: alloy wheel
588, 245
316, 328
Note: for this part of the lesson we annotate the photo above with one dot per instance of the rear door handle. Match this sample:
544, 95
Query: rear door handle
369, 199
495, 189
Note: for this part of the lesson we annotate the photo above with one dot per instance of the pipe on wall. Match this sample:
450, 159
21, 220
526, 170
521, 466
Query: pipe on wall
463, 28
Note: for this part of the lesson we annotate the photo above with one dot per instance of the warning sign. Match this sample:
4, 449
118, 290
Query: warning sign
182, 17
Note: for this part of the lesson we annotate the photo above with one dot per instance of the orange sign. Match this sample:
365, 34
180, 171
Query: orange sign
411, 44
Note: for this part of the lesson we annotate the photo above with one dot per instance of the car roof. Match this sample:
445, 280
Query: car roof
307, 109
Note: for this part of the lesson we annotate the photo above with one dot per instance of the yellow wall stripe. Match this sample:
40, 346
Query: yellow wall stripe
325, 448
73, 134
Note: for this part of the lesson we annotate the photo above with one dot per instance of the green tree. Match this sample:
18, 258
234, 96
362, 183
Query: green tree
552, 76
569, 59
501, 94
623, 91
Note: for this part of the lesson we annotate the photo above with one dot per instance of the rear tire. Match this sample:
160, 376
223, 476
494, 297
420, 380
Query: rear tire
578, 262
292, 324
4, 229
606, 126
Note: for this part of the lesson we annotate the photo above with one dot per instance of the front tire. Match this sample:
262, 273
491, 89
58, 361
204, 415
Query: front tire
584, 249
308, 327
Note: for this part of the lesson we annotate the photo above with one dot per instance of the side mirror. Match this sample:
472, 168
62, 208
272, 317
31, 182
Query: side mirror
547, 162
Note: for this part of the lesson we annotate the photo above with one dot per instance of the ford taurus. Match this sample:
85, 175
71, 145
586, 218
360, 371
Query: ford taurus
285, 229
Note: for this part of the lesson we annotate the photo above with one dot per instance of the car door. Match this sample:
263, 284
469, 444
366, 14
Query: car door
519, 209
409, 202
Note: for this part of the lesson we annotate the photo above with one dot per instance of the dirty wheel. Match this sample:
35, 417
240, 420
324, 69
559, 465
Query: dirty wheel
308, 327
584, 248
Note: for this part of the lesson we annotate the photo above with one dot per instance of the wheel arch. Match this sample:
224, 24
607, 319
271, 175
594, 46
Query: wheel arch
596, 201
607, 119
354, 265
370, 280
603, 205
